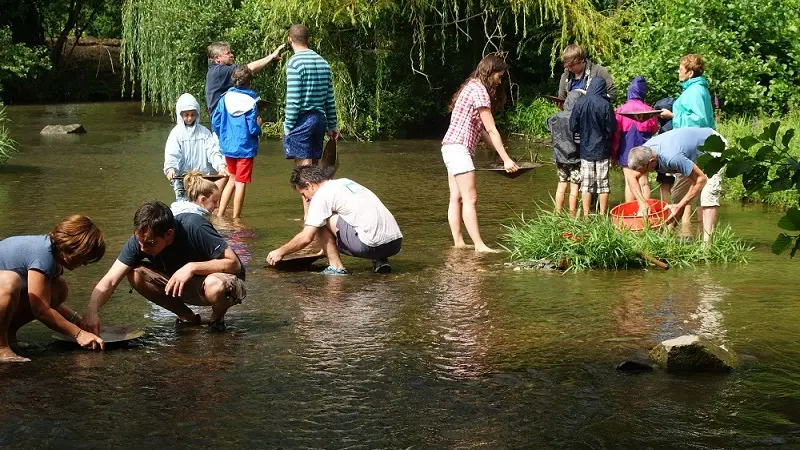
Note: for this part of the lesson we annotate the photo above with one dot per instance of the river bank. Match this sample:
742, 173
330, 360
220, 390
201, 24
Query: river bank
90, 71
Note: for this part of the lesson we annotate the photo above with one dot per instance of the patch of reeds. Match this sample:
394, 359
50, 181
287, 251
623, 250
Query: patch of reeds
576, 245
6, 143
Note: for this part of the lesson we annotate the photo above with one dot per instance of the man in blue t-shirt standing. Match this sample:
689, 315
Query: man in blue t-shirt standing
188, 263
676, 152
221, 66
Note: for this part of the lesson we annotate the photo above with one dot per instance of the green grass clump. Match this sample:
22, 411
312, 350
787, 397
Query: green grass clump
6, 143
596, 244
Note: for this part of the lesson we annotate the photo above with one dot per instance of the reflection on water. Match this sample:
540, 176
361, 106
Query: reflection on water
711, 318
450, 350
460, 310
237, 234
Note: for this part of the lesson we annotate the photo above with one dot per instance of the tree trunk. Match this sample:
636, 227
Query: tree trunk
72, 20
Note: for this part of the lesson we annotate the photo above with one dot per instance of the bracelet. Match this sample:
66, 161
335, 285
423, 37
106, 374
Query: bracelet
77, 334
74, 315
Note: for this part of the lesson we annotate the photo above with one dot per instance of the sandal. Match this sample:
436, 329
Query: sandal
330, 270
181, 324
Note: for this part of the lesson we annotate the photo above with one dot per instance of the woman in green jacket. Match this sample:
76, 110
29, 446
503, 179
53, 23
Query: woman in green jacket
693, 108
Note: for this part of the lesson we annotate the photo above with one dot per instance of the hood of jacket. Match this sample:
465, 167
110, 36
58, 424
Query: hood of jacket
185, 206
572, 99
637, 89
696, 80
186, 102
597, 87
240, 101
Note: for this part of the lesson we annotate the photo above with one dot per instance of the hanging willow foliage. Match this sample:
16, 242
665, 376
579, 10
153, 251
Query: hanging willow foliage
380, 50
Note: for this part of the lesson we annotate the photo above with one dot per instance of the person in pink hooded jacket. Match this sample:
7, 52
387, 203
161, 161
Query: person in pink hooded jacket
631, 133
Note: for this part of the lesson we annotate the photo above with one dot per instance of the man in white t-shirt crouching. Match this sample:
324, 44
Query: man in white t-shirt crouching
346, 218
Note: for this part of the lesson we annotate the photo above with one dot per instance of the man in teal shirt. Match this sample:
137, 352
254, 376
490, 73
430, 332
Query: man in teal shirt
310, 105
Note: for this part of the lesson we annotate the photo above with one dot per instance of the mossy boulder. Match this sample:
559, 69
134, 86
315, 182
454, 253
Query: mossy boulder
74, 128
692, 353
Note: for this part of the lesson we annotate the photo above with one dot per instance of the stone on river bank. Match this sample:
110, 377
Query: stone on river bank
63, 129
692, 353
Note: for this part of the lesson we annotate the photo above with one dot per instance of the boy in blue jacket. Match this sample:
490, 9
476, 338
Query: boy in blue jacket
239, 125
594, 120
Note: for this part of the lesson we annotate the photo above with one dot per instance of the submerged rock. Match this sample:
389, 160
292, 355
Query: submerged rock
63, 129
634, 366
540, 264
693, 354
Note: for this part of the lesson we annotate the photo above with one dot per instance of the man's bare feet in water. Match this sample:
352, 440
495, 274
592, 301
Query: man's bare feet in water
463, 245
8, 356
485, 249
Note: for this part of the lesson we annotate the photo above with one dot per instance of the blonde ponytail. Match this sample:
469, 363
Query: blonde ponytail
195, 186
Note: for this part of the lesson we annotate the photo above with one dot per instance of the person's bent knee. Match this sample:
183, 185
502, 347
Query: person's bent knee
213, 289
10, 282
59, 291
140, 277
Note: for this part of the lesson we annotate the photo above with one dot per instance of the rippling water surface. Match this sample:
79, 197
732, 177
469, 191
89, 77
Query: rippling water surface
451, 350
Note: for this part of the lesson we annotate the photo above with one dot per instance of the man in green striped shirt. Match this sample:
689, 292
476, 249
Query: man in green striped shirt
310, 106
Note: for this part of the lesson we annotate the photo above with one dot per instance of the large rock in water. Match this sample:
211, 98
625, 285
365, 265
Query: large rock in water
63, 129
694, 354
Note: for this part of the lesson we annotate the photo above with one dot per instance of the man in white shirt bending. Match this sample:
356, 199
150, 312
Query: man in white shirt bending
346, 218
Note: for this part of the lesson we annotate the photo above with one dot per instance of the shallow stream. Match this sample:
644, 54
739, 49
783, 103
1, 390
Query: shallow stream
450, 350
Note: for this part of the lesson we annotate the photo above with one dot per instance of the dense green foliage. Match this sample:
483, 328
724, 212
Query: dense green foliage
18, 60
738, 127
395, 63
530, 119
597, 244
6, 143
766, 164
750, 47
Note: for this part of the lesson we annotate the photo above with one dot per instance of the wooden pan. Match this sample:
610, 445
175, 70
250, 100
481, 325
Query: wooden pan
330, 158
641, 116
110, 335
301, 260
524, 166
556, 101
207, 177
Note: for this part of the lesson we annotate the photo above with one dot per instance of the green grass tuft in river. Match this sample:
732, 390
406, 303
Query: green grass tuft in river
596, 244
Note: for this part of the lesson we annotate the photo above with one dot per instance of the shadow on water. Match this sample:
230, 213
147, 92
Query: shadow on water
15, 169
450, 350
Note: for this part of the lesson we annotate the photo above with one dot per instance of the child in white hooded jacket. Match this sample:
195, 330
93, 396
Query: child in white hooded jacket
191, 147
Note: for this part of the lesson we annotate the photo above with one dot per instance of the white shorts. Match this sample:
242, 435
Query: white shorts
457, 159
709, 196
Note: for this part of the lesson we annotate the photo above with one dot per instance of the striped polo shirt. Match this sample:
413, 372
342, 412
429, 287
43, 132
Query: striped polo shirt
309, 87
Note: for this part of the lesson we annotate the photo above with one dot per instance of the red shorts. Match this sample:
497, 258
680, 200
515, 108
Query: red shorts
241, 168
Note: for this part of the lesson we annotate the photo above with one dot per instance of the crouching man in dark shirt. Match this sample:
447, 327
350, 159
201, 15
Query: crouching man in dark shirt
188, 262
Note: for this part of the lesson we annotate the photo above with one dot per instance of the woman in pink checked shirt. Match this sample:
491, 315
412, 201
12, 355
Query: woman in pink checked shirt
472, 120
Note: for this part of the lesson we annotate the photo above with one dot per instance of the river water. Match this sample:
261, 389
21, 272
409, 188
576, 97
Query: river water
450, 350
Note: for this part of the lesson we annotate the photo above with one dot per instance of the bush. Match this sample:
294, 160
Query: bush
750, 48
739, 127
18, 60
597, 244
775, 167
530, 119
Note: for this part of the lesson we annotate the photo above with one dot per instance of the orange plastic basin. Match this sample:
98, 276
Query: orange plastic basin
625, 215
